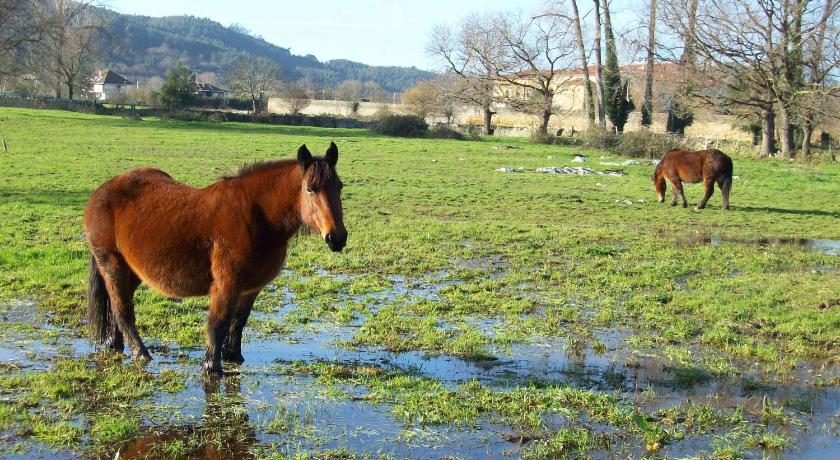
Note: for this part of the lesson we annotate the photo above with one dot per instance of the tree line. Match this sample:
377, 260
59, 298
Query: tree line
771, 63
53, 46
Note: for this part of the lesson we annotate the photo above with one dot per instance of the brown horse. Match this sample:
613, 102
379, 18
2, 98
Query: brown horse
708, 166
227, 240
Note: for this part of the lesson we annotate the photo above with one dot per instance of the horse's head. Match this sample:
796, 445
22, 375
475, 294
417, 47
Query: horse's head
659, 183
320, 202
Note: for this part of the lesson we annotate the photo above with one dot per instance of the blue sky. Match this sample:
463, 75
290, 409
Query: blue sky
375, 32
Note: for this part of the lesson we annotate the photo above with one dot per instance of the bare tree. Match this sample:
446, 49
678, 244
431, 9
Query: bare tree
535, 50
589, 103
423, 99
599, 68
757, 51
20, 26
471, 52
254, 78
349, 90
647, 104
73, 31
296, 99
679, 20
821, 63
373, 92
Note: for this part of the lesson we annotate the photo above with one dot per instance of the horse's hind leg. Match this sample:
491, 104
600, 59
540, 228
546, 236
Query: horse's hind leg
710, 189
121, 283
232, 349
725, 185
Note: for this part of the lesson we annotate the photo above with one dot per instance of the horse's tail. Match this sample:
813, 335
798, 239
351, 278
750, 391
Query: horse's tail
98, 305
725, 170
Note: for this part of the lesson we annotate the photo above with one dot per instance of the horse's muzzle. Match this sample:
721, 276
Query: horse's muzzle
336, 240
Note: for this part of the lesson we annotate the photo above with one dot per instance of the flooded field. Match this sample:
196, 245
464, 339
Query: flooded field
313, 390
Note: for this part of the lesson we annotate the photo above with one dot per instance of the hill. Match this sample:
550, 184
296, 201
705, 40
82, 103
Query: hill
143, 46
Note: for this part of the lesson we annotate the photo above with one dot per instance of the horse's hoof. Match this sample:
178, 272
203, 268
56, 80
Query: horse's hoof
234, 359
142, 356
213, 368
685, 205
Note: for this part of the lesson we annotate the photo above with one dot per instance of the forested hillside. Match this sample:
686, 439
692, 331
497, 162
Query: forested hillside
142, 46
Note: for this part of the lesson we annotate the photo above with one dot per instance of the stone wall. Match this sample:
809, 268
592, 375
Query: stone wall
512, 123
338, 108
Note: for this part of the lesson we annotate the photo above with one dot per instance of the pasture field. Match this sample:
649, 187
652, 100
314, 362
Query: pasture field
474, 313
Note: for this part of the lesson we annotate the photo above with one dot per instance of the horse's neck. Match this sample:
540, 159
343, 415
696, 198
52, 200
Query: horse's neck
277, 193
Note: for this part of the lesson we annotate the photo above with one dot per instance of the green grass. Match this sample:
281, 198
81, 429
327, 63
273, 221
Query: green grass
492, 259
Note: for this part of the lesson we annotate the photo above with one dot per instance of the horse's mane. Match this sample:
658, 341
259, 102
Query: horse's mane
656, 170
250, 168
320, 172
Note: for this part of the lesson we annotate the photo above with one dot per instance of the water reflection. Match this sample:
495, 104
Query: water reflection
224, 432
822, 246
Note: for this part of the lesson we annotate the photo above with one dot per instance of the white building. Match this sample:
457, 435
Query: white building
107, 83
210, 91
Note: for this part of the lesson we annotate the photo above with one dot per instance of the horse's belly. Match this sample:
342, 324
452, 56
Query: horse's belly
179, 282
691, 178
170, 273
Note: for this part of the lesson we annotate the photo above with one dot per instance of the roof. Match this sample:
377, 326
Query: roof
210, 88
112, 78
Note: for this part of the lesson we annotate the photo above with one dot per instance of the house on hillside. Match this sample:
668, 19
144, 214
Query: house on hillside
210, 91
106, 84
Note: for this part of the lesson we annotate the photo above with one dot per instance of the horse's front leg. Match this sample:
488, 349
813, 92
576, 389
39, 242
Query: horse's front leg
678, 188
232, 349
674, 192
223, 301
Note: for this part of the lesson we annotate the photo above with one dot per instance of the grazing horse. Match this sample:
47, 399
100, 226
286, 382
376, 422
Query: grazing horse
227, 240
708, 166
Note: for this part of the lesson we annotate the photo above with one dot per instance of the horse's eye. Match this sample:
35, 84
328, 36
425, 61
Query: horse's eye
310, 190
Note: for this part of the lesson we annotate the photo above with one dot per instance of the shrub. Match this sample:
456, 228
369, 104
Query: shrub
401, 125
217, 117
184, 115
600, 138
646, 144
633, 144
444, 132
539, 138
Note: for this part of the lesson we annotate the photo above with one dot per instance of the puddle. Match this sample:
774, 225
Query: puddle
822, 246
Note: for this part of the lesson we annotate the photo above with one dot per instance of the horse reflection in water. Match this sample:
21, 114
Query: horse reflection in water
225, 431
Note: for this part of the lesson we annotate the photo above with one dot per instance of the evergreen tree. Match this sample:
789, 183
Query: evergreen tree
179, 88
618, 102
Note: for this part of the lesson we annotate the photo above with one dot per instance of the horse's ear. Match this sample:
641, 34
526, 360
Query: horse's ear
332, 154
304, 157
